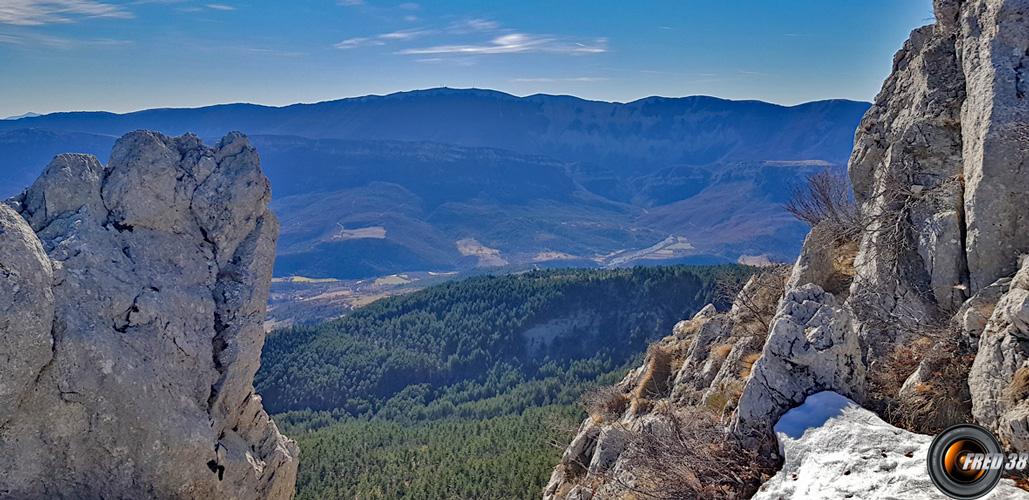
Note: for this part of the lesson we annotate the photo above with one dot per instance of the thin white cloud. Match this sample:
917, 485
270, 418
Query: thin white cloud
409, 6
359, 41
404, 34
474, 25
381, 39
42, 12
350, 3
581, 79
274, 52
451, 61
34, 40
515, 43
220, 6
158, 2
504, 41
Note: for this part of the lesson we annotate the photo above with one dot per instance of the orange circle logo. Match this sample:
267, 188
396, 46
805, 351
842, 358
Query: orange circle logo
958, 461
965, 461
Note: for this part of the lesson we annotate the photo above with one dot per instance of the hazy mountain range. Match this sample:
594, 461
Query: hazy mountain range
446, 179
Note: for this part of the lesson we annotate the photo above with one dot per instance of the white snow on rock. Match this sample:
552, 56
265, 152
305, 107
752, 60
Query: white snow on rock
836, 449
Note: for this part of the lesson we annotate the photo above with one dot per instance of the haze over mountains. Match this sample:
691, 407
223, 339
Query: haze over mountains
448, 179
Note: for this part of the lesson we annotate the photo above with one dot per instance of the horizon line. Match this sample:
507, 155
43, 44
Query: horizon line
423, 90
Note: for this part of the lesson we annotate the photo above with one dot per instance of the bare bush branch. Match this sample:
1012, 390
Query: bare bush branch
825, 198
758, 304
605, 404
693, 457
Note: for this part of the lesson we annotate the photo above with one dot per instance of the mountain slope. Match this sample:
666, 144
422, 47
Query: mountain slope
471, 340
449, 180
913, 303
24, 153
459, 391
651, 131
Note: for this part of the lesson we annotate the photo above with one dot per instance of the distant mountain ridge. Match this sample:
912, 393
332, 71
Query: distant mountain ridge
450, 179
23, 115
692, 130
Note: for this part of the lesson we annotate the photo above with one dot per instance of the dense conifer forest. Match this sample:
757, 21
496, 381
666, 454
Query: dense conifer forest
459, 390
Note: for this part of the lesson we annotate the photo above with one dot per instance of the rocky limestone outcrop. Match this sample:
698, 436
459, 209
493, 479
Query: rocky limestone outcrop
942, 138
703, 364
812, 346
133, 304
834, 448
927, 291
999, 379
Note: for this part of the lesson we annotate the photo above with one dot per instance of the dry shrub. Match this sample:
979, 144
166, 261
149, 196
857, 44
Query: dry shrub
693, 456
747, 364
605, 404
1018, 389
655, 381
843, 254
726, 397
677, 350
756, 306
826, 199
721, 351
941, 397
1021, 478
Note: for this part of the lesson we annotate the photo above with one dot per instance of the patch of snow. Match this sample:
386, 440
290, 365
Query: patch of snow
834, 448
815, 412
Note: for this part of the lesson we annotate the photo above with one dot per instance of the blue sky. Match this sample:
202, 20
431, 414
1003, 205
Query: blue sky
60, 55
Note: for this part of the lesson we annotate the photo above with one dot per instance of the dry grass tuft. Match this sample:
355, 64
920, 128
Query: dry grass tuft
692, 456
726, 397
843, 254
1018, 389
656, 380
747, 364
940, 399
721, 351
605, 404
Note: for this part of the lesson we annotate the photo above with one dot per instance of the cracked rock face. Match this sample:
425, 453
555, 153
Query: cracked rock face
137, 330
811, 346
999, 380
26, 311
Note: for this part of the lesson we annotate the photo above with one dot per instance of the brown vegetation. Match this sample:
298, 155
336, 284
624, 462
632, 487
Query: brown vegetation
1018, 389
938, 399
656, 380
689, 455
721, 351
757, 306
747, 364
726, 397
826, 199
605, 404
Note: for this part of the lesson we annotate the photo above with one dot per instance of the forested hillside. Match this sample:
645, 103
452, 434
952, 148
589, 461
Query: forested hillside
458, 390
479, 338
